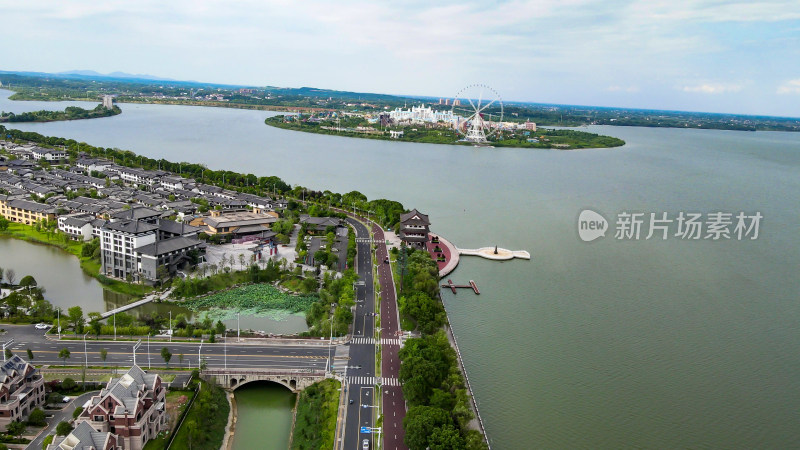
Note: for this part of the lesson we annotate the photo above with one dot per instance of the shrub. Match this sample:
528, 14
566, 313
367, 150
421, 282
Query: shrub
63, 428
36, 417
68, 384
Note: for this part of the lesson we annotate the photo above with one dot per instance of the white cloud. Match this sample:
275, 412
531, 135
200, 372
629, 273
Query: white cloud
712, 88
579, 51
790, 87
629, 89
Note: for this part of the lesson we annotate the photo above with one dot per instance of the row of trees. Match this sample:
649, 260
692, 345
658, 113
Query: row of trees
419, 295
70, 113
439, 411
337, 295
26, 303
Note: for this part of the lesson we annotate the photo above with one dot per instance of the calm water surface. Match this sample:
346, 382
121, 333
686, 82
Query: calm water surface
603, 345
263, 416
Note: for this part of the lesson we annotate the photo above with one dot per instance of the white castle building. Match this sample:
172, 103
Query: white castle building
422, 113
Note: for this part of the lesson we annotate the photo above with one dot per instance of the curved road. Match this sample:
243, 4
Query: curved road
65, 415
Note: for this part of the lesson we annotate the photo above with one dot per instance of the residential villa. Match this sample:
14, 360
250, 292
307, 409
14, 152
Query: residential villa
84, 437
21, 390
130, 407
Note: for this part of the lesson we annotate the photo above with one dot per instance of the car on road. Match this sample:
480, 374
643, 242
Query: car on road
365, 444
66, 399
351, 401
42, 326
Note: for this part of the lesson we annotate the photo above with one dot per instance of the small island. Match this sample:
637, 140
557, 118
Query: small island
522, 135
70, 113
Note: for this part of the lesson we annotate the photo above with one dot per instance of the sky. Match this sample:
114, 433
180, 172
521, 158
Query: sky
692, 55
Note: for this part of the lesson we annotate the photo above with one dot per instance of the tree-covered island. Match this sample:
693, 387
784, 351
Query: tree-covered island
363, 126
70, 113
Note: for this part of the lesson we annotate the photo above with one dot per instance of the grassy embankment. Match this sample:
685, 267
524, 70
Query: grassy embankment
317, 410
544, 138
204, 425
176, 402
89, 265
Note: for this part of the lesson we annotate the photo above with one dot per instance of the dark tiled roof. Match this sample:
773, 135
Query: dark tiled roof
136, 213
410, 215
32, 206
173, 227
131, 226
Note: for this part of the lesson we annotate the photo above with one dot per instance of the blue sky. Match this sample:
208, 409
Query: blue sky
703, 55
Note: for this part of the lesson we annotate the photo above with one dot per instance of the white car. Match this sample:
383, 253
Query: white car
42, 326
365, 444
66, 399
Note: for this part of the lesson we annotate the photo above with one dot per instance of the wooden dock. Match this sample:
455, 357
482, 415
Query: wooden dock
472, 285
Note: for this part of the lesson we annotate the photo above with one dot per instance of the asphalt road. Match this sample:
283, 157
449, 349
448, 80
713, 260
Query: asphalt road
394, 405
59, 416
216, 355
363, 410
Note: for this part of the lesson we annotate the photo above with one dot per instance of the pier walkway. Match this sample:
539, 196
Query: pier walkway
148, 299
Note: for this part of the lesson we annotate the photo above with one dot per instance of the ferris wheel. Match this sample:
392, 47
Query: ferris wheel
472, 117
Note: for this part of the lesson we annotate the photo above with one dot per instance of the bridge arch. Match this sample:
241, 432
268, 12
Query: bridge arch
237, 382
294, 380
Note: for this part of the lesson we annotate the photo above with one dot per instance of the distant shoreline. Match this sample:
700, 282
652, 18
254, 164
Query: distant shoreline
546, 139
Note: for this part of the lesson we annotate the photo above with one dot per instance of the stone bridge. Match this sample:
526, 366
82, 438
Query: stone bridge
294, 379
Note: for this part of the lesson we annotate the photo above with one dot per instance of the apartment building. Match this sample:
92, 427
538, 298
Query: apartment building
118, 244
24, 211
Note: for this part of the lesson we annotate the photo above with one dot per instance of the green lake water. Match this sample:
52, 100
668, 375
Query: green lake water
611, 344
264, 416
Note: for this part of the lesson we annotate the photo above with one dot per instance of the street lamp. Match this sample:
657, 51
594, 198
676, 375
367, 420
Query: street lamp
330, 341
199, 349
148, 351
85, 354
237, 328
170, 326
7, 344
225, 349
135, 347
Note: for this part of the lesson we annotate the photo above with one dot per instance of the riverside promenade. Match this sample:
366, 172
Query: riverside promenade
448, 250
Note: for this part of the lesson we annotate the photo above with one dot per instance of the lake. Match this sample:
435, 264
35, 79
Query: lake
613, 343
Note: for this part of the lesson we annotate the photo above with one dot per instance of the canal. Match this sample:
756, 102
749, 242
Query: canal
264, 416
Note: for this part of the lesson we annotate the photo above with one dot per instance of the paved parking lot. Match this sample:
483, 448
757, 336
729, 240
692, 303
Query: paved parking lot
215, 253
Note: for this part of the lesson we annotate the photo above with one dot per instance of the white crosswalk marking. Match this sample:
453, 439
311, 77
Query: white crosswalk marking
373, 381
365, 340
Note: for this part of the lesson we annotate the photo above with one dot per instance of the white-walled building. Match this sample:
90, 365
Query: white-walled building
48, 154
422, 113
118, 244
